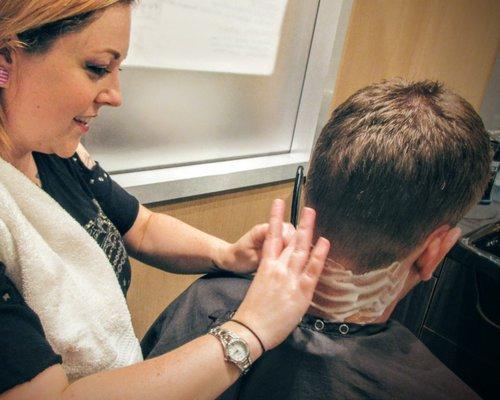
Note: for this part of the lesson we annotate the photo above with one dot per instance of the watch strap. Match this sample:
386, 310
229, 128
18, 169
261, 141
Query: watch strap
226, 338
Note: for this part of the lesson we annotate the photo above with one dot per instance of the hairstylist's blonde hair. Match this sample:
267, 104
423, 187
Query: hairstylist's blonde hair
19, 16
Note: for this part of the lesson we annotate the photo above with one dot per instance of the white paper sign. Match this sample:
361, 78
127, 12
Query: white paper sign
237, 36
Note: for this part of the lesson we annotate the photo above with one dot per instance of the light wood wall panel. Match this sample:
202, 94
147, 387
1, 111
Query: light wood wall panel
227, 216
454, 41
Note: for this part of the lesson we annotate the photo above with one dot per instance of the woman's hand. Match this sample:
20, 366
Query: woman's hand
243, 256
283, 287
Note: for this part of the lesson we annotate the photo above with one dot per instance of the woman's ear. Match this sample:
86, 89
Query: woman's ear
5, 67
4, 77
437, 245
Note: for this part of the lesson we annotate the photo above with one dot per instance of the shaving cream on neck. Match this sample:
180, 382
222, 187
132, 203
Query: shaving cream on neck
344, 296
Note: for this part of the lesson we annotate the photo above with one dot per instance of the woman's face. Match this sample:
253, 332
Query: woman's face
52, 98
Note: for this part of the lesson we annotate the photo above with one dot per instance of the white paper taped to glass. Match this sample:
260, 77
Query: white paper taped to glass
230, 36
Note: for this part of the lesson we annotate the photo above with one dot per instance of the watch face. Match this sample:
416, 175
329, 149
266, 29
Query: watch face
237, 351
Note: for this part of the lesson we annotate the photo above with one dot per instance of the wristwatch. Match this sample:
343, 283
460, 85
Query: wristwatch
236, 350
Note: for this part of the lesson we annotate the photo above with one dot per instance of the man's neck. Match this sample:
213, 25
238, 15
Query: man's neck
369, 298
354, 319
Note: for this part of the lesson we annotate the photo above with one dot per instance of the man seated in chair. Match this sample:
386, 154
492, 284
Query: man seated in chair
392, 173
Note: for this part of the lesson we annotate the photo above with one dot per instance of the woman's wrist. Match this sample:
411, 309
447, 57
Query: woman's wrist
253, 343
221, 255
262, 347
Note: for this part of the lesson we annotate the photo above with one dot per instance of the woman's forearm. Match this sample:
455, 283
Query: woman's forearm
195, 370
172, 245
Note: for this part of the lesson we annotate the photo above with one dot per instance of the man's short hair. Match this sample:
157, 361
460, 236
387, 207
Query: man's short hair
394, 162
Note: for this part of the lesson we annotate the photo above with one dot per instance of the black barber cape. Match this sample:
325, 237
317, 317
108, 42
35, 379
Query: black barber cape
319, 360
107, 212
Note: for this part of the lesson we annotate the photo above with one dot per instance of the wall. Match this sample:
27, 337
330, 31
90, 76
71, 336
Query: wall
455, 41
490, 110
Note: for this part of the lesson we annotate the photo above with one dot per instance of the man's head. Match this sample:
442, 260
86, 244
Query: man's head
397, 166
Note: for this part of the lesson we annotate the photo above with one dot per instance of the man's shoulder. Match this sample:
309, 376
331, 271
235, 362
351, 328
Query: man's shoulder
363, 362
210, 300
222, 289
427, 373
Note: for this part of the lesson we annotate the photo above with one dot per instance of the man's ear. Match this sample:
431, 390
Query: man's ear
437, 245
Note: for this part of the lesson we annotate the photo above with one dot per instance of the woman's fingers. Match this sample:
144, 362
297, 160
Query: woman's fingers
314, 266
288, 233
259, 234
283, 287
302, 245
317, 259
273, 245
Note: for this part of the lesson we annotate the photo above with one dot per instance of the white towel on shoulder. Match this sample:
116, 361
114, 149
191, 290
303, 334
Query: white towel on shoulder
65, 277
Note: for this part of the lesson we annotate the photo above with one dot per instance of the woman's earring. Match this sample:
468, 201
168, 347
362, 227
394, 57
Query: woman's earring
4, 76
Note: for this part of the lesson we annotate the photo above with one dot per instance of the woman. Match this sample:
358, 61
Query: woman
59, 64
